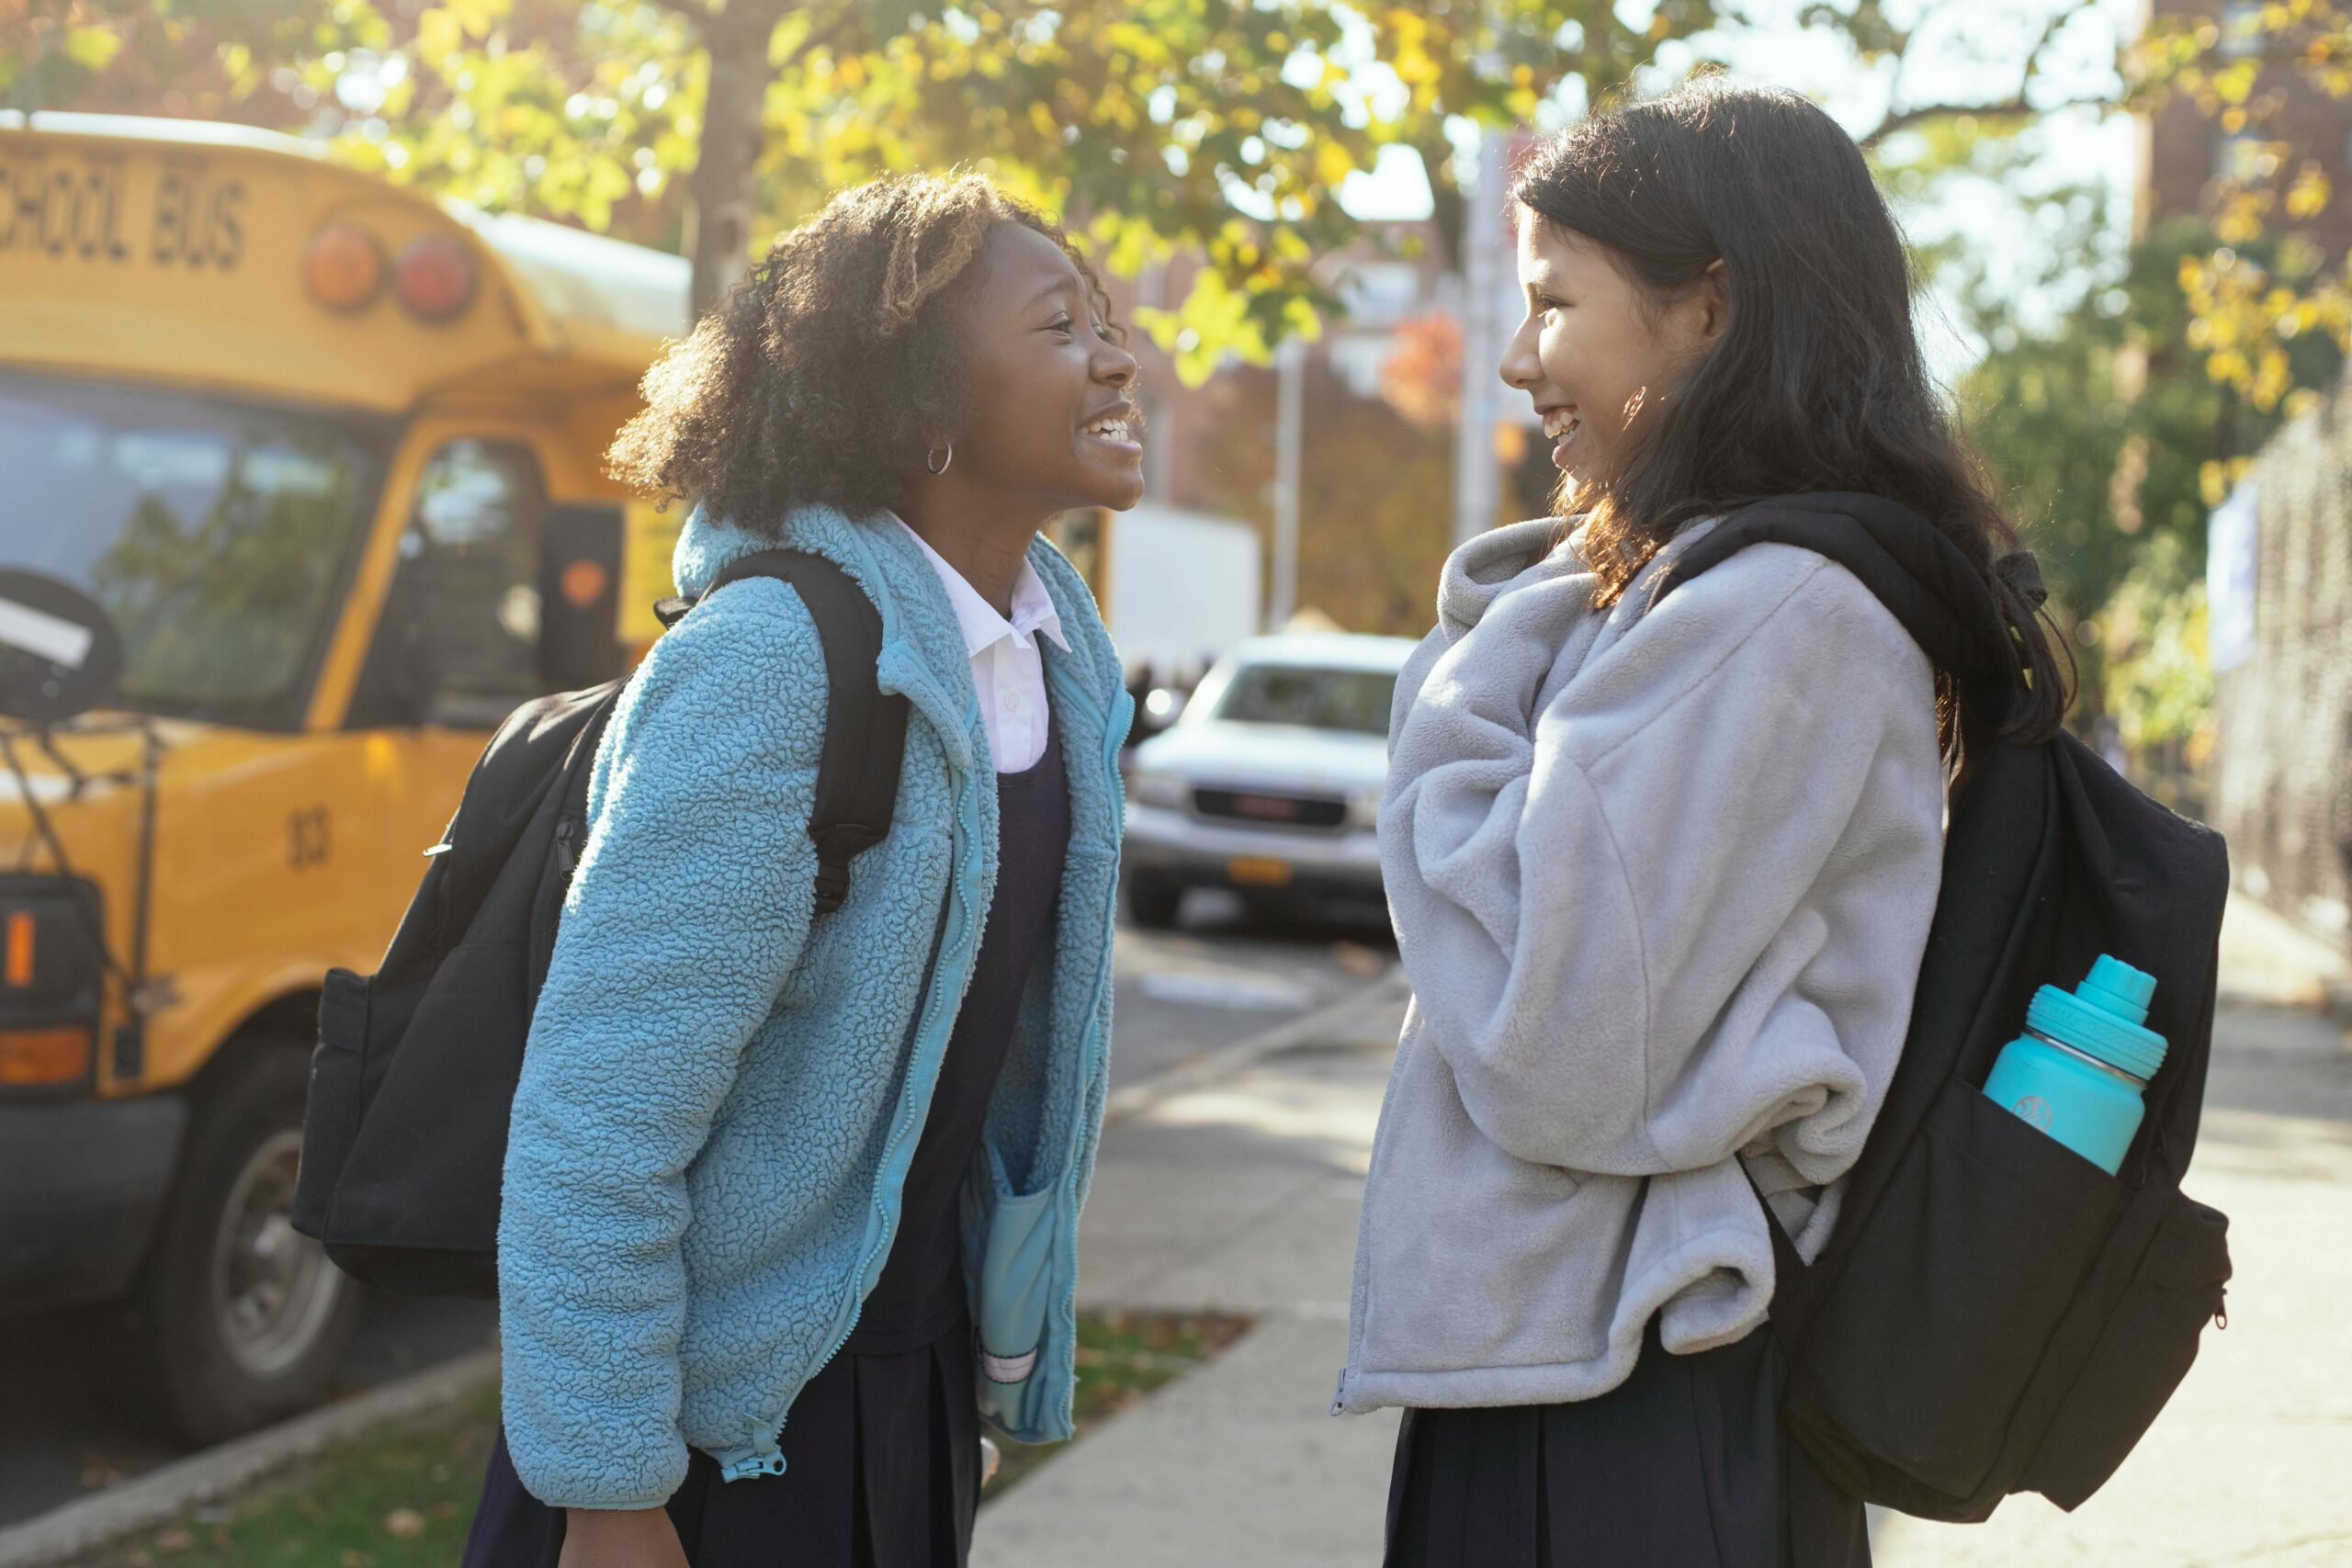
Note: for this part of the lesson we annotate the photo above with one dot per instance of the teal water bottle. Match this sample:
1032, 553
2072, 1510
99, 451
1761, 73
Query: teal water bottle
2077, 1071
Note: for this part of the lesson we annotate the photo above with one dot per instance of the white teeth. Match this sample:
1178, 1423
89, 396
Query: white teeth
1557, 421
1114, 429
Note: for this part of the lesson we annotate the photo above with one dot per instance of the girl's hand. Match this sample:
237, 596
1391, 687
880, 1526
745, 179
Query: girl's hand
620, 1537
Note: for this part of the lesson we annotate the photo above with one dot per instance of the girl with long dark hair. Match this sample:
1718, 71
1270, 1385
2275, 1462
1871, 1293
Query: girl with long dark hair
791, 1198
1661, 878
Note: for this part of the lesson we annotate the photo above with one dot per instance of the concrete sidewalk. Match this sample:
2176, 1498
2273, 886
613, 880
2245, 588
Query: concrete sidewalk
1240, 1194
1237, 1195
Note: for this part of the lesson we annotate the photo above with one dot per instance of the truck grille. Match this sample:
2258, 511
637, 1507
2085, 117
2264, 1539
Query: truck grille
1272, 810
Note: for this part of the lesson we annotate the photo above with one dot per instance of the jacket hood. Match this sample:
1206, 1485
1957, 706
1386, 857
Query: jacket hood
1919, 574
708, 544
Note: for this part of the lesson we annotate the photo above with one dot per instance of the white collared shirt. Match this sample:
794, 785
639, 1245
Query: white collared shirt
1007, 670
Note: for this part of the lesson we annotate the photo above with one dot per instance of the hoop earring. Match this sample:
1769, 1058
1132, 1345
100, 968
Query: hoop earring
943, 462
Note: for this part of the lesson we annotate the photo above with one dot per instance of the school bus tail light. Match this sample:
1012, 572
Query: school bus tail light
433, 278
342, 266
53, 1055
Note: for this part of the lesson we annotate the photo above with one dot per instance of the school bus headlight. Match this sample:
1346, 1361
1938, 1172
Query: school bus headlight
433, 278
342, 266
53, 1055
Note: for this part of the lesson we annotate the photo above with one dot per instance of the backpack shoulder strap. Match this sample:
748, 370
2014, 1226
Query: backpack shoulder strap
1918, 573
865, 729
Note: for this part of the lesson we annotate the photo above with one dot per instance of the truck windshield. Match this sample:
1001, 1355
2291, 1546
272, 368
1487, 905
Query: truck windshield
214, 532
1303, 695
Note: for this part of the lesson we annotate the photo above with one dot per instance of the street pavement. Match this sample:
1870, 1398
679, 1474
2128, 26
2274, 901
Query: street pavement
1240, 1195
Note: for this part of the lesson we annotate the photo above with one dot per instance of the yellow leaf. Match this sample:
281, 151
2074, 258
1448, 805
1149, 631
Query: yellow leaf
2309, 194
91, 47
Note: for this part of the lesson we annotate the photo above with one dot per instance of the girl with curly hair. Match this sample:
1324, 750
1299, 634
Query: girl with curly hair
791, 1199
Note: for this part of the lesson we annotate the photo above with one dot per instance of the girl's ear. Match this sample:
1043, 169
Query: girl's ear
1717, 293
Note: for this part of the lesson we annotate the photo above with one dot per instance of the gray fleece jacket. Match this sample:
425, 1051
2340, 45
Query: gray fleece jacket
1661, 883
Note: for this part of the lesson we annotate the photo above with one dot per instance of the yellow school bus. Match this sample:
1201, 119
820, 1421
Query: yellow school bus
320, 458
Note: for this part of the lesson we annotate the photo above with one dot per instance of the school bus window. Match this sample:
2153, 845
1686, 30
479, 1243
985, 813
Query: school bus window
215, 532
459, 640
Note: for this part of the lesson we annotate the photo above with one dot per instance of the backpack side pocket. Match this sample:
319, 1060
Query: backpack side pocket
1934, 1328
2146, 1349
331, 1110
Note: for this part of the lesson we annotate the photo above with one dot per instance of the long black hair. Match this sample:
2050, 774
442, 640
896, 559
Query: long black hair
1815, 381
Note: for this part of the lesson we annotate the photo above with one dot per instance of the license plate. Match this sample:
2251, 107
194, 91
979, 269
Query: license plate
1258, 871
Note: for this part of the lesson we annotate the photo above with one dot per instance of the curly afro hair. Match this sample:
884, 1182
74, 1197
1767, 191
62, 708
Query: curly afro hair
829, 373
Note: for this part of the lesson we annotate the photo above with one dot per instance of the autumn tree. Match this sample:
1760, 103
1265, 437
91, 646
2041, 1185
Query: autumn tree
1223, 127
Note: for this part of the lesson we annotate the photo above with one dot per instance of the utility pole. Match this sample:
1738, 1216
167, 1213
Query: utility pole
1475, 488
1290, 396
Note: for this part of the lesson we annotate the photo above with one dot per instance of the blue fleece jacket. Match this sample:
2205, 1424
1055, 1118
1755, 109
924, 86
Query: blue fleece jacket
722, 1092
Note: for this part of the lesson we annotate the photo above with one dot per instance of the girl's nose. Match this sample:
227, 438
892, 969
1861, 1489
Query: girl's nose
1521, 367
1114, 365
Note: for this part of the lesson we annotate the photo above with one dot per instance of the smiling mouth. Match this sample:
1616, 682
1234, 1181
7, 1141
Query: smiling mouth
1561, 424
1117, 430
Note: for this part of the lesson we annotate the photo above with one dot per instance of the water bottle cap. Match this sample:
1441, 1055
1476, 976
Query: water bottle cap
2119, 988
2102, 1018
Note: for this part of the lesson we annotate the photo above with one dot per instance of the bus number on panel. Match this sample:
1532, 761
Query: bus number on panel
308, 839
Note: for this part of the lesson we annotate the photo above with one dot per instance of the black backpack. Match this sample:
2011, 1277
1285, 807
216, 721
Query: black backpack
1993, 1313
412, 1080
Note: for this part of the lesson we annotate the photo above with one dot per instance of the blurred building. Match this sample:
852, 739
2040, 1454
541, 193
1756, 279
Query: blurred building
2280, 586
1376, 480
2186, 154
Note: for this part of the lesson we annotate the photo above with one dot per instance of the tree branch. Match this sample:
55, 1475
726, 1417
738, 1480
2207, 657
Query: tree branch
2015, 106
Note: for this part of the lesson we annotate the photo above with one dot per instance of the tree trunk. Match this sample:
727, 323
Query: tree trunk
722, 194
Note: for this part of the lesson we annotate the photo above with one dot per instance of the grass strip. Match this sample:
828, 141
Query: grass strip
404, 1495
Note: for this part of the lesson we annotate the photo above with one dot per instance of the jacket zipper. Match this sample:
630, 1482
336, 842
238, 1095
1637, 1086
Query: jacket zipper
774, 1464
1067, 1241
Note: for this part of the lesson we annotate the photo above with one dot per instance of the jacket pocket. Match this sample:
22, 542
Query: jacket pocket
1016, 1286
331, 1111
1949, 1296
2141, 1357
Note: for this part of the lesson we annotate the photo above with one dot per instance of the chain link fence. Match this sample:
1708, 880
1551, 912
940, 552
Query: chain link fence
2282, 787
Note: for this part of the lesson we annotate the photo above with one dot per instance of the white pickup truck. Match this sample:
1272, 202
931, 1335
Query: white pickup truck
1269, 781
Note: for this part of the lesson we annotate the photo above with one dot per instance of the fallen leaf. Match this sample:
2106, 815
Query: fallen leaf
404, 1524
174, 1538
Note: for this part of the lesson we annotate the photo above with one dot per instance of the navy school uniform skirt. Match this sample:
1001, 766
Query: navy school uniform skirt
1683, 1465
882, 1470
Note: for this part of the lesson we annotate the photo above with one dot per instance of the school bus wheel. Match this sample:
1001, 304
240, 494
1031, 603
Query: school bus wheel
236, 1321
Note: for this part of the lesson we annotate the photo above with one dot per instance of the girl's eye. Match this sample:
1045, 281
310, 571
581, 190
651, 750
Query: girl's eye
1547, 304
1059, 324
